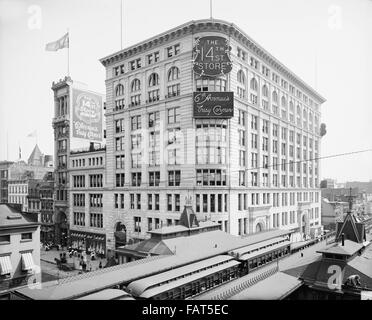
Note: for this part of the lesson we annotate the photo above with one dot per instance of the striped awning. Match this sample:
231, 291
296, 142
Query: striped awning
27, 261
5, 265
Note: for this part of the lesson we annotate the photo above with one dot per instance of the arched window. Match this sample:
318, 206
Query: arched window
135, 86
265, 91
254, 84
298, 111
241, 77
284, 102
291, 106
173, 74
119, 90
153, 80
275, 97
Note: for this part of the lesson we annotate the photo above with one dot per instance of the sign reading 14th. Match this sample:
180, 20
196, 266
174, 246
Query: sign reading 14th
212, 56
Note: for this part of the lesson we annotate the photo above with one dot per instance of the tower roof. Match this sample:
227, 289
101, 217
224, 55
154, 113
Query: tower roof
35, 156
188, 218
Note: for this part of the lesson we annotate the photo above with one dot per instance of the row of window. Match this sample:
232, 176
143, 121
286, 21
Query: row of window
92, 161
265, 198
254, 63
174, 178
95, 200
95, 219
151, 58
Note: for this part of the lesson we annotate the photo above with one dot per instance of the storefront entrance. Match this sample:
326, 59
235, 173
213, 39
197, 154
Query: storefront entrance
61, 229
120, 235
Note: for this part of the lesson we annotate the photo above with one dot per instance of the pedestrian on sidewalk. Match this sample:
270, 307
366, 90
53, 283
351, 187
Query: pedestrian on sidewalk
100, 265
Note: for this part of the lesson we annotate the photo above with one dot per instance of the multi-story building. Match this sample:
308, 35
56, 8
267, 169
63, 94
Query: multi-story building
254, 171
19, 247
87, 183
24, 178
46, 216
4, 175
61, 127
76, 124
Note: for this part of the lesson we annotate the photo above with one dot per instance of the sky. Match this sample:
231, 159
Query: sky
328, 44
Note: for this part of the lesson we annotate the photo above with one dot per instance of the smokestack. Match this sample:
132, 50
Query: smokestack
343, 239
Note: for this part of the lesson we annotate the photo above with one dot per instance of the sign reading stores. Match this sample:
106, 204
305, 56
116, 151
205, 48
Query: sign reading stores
214, 105
211, 56
87, 115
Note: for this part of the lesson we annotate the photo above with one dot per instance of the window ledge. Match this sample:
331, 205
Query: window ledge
26, 240
4, 242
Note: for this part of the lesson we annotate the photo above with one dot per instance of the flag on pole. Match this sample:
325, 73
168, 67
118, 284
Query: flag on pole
59, 44
20, 153
32, 134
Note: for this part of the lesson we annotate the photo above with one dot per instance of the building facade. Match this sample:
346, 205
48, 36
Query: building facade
19, 247
61, 127
256, 171
86, 174
4, 175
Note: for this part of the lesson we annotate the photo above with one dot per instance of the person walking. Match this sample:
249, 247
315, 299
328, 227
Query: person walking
100, 265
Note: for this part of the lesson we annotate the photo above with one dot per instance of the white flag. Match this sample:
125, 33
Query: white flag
59, 44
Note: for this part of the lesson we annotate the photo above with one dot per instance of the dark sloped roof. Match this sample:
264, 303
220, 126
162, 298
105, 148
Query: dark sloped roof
35, 156
10, 217
188, 218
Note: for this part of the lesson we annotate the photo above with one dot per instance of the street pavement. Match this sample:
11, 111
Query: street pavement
50, 270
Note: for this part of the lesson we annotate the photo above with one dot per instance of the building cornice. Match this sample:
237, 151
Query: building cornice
208, 25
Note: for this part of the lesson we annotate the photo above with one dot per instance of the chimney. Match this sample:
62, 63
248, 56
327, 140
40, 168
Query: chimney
343, 239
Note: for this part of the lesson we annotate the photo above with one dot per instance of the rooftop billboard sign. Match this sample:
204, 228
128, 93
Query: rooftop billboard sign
87, 114
212, 56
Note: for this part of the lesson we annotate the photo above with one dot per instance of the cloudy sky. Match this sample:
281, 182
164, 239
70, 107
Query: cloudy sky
327, 43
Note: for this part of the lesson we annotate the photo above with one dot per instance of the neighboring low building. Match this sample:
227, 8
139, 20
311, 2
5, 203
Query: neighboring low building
342, 271
4, 176
19, 247
332, 211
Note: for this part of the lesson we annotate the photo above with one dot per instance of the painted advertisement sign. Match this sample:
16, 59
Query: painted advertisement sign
213, 105
212, 56
87, 115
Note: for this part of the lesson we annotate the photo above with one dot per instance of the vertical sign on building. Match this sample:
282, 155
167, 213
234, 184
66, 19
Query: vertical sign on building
87, 113
212, 59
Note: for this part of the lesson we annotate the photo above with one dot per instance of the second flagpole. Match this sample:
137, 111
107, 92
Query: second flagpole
68, 52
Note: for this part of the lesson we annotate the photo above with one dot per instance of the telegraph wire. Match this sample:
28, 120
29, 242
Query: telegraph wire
245, 170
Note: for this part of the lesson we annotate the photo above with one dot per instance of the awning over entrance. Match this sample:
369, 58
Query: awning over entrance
27, 261
5, 265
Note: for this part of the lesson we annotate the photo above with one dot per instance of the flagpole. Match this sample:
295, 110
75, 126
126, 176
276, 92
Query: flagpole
68, 53
7, 145
121, 24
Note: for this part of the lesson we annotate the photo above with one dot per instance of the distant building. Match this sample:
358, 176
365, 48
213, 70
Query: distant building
4, 176
23, 178
332, 211
19, 247
328, 183
38, 159
341, 194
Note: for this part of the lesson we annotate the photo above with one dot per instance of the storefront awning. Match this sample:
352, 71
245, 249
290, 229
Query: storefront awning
5, 265
27, 261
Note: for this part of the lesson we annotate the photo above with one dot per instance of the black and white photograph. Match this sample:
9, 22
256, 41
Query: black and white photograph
207, 151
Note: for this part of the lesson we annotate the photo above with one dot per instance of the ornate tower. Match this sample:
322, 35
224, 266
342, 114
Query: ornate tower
61, 126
